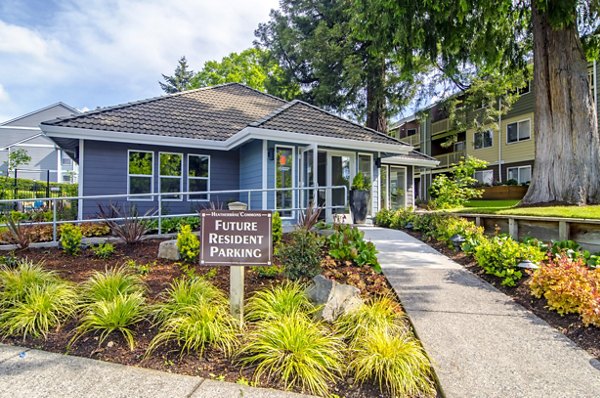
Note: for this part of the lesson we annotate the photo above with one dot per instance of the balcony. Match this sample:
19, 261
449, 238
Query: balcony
440, 126
451, 158
413, 140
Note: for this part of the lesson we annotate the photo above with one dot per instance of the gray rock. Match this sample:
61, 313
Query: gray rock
168, 249
337, 299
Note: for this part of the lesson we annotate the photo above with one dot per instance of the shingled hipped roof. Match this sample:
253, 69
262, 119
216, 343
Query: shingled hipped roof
218, 113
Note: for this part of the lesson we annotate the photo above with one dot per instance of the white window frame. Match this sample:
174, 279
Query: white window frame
160, 177
371, 178
189, 197
151, 194
388, 194
517, 123
519, 168
528, 89
482, 172
481, 132
293, 149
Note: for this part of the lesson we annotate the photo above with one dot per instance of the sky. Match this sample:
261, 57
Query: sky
90, 53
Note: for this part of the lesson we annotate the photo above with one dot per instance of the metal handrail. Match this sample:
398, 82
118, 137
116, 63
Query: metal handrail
55, 222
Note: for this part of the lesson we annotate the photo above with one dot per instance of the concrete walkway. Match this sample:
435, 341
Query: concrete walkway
35, 374
482, 343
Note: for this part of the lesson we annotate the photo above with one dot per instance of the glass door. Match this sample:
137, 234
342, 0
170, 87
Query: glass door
308, 177
339, 172
397, 187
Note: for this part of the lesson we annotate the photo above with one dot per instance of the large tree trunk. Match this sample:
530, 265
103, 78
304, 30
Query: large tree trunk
376, 106
567, 148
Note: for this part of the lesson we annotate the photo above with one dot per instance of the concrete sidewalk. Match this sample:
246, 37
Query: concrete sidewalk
482, 343
35, 374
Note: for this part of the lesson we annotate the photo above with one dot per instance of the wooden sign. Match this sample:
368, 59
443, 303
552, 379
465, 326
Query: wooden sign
236, 237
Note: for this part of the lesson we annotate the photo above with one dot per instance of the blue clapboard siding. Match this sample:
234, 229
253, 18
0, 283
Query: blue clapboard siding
105, 173
251, 163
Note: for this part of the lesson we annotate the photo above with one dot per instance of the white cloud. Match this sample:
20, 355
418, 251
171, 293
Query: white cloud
100, 52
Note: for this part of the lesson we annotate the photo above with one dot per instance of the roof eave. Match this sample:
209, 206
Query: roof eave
415, 162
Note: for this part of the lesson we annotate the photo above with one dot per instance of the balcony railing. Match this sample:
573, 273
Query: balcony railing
440, 126
449, 159
413, 140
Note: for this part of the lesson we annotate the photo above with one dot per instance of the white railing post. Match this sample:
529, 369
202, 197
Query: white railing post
249, 200
159, 214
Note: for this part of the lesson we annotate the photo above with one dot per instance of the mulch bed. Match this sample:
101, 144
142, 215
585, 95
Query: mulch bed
570, 325
212, 364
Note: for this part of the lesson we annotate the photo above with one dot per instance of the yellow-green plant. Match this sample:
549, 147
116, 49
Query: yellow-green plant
188, 244
287, 299
277, 231
295, 351
103, 250
396, 362
110, 284
70, 238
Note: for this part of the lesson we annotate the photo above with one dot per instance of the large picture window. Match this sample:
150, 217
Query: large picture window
521, 175
198, 176
284, 162
518, 131
171, 176
483, 139
140, 174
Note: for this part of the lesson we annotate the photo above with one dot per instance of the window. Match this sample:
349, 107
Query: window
521, 175
66, 178
171, 176
410, 132
284, 162
518, 131
140, 174
483, 139
198, 176
484, 177
365, 166
65, 160
459, 146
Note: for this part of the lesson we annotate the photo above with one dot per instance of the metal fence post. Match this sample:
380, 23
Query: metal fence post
159, 215
249, 200
54, 234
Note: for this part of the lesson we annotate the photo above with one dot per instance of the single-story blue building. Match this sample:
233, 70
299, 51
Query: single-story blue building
209, 146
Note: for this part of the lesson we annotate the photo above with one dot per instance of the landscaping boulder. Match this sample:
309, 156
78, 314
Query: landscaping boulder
168, 249
337, 299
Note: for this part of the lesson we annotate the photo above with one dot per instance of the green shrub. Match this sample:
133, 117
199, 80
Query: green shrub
397, 363
382, 312
429, 224
348, 244
295, 351
276, 302
301, 256
103, 250
383, 218
188, 244
360, 182
272, 271
42, 307
118, 314
447, 192
277, 231
110, 284
500, 255
194, 314
456, 225
70, 238
15, 281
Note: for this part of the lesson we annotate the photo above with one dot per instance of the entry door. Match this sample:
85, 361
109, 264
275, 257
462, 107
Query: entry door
397, 187
308, 177
340, 171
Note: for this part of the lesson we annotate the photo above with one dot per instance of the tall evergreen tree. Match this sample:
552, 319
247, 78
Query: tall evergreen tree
180, 81
468, 39
316, 44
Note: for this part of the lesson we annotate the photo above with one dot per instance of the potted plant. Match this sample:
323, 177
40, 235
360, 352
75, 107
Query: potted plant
359, 198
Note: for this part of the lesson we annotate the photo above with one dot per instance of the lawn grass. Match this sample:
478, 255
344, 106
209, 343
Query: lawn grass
507, 207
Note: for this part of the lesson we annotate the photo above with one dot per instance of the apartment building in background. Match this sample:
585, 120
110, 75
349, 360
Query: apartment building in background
509, 149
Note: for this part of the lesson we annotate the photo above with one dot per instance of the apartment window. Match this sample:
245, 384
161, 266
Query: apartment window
410, 132
518, 131
484, 177
65, 160
459, 146
198, 176
171, 175
521, 174
483, 139
140, 173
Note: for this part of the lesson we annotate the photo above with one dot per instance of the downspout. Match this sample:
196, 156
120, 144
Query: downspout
500, 139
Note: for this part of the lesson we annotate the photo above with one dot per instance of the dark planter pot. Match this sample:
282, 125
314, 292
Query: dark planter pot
359, 203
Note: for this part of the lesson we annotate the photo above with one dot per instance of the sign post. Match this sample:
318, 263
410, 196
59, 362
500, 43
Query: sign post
236, 238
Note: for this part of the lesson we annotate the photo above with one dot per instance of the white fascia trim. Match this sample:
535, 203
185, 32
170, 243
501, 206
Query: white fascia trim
132, 138
20, 128
299, 138
239, 138
411, 162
